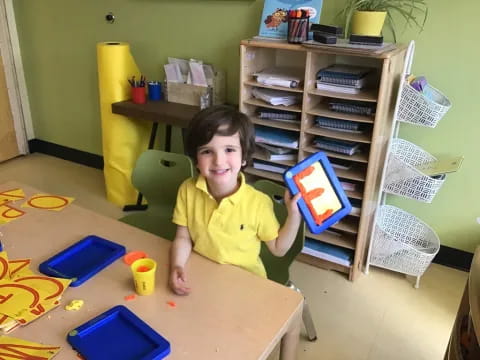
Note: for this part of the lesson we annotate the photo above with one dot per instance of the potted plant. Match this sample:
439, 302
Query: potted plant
363, 14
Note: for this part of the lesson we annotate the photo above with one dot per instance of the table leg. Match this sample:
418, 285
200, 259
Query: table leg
289, 342
151, 143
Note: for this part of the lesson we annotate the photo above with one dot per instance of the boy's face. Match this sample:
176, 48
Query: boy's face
220, 161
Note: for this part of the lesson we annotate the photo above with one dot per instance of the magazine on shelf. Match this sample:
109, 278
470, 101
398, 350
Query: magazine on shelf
273, 23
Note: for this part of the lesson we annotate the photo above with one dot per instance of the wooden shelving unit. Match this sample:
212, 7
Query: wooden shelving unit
353, 231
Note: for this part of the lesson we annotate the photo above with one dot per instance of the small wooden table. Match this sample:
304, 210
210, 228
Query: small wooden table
168, 113
230, 314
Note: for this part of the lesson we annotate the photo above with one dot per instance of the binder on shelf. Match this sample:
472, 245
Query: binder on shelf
337, 124
277, 137
329, 252
339, 146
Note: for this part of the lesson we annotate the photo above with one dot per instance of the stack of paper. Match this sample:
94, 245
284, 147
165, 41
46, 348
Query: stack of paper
277, 97
275, 152
25, 295
289, 77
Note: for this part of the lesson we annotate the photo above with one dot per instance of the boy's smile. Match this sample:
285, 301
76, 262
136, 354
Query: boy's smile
219, 162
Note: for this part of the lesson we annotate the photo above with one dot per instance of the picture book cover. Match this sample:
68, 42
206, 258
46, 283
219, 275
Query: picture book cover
273, 23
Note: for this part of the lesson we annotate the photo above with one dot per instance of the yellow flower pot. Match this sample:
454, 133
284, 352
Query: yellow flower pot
368, 22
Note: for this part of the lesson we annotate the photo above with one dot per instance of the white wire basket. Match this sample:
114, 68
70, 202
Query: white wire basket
402, 177
402, 242
422, 108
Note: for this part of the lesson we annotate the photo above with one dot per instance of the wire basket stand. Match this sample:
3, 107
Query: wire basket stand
400, 241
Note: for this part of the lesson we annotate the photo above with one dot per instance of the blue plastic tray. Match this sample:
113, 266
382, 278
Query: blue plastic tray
83, 259
118, 334
346, 207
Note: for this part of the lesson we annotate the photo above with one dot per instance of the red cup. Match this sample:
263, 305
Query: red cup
139, 95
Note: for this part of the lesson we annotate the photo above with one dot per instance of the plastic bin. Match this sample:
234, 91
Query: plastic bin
420, 109
402, 177
402, 242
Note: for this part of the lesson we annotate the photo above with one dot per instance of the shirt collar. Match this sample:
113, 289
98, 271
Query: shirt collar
234, 198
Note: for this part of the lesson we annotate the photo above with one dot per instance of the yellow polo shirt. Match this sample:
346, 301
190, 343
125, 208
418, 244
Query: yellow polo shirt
229, 232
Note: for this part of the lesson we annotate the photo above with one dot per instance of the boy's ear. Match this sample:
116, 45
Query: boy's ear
244, 162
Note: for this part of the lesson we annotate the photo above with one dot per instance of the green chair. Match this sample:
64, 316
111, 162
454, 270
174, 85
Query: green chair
278, 267
158, 175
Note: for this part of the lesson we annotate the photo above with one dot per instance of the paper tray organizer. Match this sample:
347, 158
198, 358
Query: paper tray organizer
83, 259
118, 334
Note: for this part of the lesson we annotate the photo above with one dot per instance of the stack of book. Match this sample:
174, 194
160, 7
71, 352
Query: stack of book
289, 77
329, 252
278, 115
338, 125
339, 146
352, 107
277, 97
276, 137
263, 165
347, 79
275, 153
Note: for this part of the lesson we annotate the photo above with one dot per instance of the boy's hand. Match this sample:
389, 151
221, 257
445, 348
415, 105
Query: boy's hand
291, 202
177, 281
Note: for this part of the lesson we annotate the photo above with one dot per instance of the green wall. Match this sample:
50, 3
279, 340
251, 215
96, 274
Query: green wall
58, 39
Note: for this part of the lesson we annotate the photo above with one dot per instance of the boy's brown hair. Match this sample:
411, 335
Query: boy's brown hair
206, 123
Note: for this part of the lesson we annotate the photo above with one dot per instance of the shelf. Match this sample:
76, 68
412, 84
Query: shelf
354, 195
276, 124
369, 95
257, 102
365, 137
281, 88
324, 264
355, 173
259, 156
360, 157
322, 110
265, 174
344, 240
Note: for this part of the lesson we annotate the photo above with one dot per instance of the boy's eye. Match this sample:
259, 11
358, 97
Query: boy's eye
231, 150
205, 151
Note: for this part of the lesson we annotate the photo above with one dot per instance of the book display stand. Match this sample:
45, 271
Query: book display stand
352, 128
400, 241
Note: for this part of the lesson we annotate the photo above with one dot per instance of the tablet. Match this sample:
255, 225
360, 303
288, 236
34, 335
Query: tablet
83, 259
323, 202
118, 334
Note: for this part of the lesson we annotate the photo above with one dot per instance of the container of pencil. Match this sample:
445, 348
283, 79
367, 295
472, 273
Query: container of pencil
139, 95
298, 23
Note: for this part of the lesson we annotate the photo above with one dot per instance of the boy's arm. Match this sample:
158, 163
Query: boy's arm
288, 232
179, 254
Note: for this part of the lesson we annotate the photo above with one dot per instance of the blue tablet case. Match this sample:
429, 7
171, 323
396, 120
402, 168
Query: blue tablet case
83, 259
118, 334
346, 207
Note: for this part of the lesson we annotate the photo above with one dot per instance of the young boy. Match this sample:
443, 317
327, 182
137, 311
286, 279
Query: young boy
217, 213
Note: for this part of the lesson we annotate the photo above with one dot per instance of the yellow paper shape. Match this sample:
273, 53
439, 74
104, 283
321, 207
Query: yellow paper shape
48, 202
9, 213
11, 195
4, 266
7, 323
13, 348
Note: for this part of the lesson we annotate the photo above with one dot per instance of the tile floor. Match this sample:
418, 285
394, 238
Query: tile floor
378, 317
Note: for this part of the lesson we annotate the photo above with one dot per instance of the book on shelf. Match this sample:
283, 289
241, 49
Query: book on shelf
263, 165
276, 137
339, 146
348, 186
352, 107
278, 115
273, 23
284, 76
337, 88
329, 252
441, 166
288, 154
277, 97
344, 71
337, 124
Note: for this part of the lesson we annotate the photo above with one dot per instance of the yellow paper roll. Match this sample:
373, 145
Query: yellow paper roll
123, 138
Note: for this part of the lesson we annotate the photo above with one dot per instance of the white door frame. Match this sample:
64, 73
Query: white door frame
14, 75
